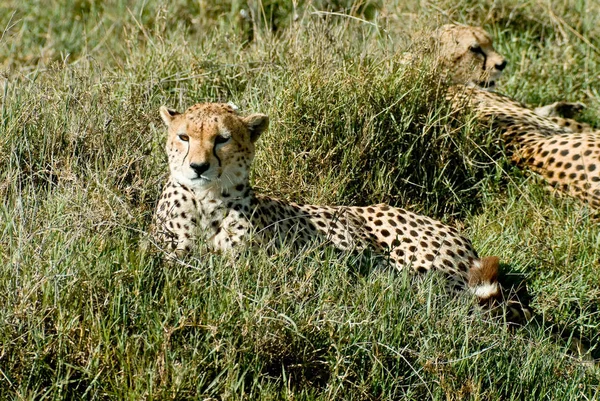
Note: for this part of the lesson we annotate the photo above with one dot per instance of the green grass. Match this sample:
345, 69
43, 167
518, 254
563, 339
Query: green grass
90, 310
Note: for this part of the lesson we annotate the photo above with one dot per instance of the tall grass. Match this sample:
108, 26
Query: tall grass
88, 307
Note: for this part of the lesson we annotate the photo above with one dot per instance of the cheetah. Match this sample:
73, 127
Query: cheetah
208, 195
566, 153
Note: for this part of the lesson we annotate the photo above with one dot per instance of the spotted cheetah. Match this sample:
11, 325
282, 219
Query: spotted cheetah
566, 153
208, 195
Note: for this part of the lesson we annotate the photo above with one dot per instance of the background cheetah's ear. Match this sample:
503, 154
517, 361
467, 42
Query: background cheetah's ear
256, 124
167, 114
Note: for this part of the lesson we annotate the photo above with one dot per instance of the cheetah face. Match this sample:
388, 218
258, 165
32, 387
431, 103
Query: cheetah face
210, 145
469, 55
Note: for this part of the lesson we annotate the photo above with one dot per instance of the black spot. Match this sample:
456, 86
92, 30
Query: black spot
591, 167
577, 144
564, 152
429, 257
378, 222
385, 233
412, 248
395, 242
392, 223
421, 269
576, 157
413, 233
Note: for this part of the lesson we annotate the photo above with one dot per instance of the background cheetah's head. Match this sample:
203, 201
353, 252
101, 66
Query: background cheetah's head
468, 55
210, 145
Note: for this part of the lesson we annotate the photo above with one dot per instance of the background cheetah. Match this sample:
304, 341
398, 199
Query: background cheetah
563, 151
210, 150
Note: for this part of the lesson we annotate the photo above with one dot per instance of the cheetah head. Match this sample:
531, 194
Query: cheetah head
468, 55
210, 145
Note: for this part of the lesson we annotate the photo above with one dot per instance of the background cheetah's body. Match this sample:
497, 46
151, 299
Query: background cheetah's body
569, 159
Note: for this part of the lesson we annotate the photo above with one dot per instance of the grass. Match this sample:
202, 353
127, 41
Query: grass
90, 310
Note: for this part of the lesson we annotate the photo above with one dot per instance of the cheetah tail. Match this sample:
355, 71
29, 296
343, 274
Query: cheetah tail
483, 282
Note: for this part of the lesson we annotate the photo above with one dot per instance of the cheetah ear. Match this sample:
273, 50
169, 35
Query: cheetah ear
168, 114
256, 123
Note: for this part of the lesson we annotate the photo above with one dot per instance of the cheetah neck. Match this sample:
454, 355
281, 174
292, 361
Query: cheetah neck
221, 210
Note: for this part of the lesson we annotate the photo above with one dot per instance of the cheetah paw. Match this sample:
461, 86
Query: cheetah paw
560, 109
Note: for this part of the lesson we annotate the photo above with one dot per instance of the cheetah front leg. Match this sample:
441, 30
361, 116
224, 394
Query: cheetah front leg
176, 220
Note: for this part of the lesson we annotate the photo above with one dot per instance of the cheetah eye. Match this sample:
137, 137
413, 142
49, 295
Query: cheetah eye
184, 137
221, 139
477, 50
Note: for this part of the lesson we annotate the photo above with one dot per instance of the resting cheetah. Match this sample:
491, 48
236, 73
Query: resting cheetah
563, 151
210, 149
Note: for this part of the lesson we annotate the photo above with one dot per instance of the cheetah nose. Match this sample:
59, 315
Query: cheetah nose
501, 66
200, 168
